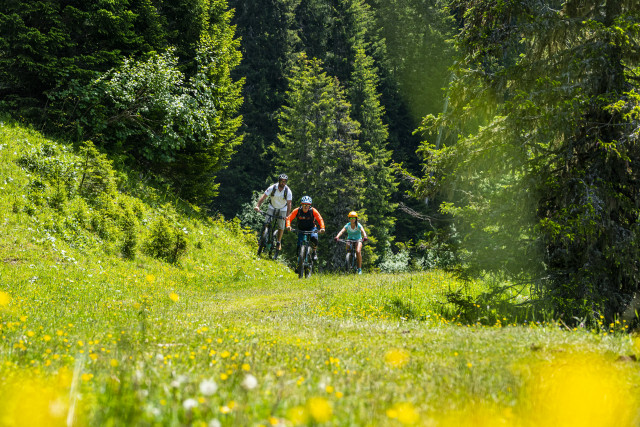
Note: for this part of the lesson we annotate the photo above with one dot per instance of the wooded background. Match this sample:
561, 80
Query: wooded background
487, 137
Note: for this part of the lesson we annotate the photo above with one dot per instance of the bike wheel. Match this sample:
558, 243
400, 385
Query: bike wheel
309, 265
264, 238
347, 263
274, 252
301, 257
353, 267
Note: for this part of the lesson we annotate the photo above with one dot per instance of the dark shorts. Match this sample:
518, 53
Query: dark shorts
313, 236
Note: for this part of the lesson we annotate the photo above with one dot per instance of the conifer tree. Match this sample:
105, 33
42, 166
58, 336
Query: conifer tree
266, 28
380, 183
318, 145
543, 177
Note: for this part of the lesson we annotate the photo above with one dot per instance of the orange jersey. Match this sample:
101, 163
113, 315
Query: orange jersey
305, 221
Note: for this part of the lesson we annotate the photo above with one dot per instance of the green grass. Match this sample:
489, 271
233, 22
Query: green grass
92, 338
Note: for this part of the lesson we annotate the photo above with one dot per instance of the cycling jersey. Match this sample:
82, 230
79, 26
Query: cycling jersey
306, 221
354, 234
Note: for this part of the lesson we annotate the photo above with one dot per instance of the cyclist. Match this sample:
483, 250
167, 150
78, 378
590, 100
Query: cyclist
309, 219
355, 231
280, 197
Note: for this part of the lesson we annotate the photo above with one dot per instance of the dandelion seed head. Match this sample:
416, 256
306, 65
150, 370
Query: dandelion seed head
208, 387
250, 382
189, 404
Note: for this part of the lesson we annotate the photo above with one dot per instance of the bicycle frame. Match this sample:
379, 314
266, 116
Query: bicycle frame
267, 237
305, 260
350, 263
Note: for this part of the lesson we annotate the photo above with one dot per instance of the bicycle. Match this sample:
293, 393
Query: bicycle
305, 257
269, 236
351, 258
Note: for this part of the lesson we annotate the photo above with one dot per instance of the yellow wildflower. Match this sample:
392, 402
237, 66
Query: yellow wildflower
5, 299
298, 415
396, 357
319, 409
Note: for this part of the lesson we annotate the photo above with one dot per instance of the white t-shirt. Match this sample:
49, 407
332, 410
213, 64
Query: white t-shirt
278, 201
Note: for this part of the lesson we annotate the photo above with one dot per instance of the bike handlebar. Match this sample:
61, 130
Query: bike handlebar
350, 241
303, 232
272, 216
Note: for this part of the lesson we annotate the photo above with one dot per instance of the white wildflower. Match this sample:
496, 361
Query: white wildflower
208, 387
250, 382
189, 404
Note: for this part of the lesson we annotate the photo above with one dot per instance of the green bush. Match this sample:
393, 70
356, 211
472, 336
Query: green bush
129, 225
165, 241
395, 263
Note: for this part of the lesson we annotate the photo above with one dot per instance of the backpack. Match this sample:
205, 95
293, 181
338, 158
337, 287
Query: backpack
274, 187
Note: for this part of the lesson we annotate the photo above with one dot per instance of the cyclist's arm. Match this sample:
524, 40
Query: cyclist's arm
290, 218
318, 218
261, 200
364, 233
340, 233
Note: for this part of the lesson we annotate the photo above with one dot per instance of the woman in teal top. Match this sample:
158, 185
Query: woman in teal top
355, 231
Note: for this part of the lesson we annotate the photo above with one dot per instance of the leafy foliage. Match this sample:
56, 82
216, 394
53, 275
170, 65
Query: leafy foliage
543, 177
148, 83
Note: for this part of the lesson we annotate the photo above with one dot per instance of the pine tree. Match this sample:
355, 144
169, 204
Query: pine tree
266, 28
319, 148
380, 183
543, 177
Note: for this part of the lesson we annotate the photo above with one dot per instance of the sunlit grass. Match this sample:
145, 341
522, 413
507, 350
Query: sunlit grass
226, 338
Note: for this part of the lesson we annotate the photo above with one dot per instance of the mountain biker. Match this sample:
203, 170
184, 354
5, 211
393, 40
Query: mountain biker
307, 218
355, 231
279, 203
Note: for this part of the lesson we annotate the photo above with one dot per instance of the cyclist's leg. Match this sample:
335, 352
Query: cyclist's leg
270, 214
314, 242
359, 254
282, 213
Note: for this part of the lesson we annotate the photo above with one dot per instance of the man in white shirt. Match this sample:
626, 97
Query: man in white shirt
279, 204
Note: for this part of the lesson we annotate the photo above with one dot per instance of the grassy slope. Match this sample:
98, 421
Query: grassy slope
114, 341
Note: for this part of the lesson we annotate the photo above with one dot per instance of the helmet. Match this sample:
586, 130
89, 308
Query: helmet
353, 214
306, 199
283, 176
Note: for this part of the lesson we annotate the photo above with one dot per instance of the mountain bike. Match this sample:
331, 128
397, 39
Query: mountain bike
269, 236
351, 258
305, 255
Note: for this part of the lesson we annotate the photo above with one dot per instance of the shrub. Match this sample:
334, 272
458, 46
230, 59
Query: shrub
395, 263
96, 174
165, 241
129, 225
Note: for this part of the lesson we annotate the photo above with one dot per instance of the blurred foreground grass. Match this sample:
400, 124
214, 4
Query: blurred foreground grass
224, 338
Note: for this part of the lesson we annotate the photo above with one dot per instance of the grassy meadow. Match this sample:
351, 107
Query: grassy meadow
98, 329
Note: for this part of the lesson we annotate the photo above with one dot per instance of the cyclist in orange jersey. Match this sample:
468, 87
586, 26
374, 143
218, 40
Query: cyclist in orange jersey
309, 219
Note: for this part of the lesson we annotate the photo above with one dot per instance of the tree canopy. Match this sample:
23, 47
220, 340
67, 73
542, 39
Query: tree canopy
543, 174
146, 80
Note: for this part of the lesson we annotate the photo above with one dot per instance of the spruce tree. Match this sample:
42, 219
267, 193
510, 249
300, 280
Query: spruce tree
380, 183
543, 178
266, 28
319, 147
